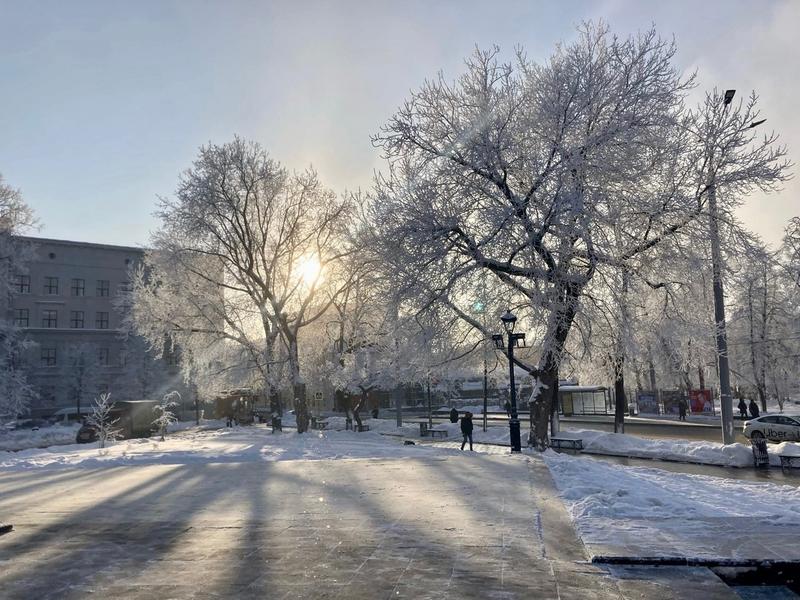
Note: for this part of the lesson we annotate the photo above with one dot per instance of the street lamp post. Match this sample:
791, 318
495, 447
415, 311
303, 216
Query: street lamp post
725, 396
509, 320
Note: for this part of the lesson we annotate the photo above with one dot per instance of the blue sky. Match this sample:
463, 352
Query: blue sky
103, 104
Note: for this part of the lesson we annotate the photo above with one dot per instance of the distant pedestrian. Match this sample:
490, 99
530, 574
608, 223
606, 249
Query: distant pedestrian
507, 407
742, 408
229, 422
753, 408
466, 429
682, 406
374, 413
453, 415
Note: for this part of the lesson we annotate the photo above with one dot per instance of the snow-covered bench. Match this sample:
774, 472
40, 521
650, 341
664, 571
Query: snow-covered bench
564, 442
436, 432
788, 461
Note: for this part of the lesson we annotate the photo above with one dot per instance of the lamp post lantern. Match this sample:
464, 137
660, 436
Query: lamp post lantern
509, 320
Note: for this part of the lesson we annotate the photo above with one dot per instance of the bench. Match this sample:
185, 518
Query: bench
442, 433
362, 428
570, 443
787, 462
319, 424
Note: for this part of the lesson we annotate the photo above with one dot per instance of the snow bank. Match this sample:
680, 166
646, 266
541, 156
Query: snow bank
22, 439
707, 453
593, 490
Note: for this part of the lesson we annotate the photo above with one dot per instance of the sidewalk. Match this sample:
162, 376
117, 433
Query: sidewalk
460, 527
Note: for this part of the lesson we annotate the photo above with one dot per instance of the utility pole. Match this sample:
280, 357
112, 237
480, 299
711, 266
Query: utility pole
725, 397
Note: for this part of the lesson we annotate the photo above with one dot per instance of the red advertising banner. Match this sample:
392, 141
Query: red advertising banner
701, 402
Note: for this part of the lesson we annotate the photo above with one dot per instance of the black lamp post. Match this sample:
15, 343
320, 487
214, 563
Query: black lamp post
514, 339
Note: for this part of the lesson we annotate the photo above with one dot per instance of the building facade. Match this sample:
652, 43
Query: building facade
68, 306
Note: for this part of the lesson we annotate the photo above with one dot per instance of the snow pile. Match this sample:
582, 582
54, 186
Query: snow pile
783, 449
22, 439
226, 444
707, 453
594, 491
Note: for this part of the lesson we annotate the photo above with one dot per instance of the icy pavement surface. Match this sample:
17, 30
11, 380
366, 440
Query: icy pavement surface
436, 526
648, 513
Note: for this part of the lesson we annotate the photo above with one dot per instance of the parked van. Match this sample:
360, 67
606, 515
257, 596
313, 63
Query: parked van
65, 416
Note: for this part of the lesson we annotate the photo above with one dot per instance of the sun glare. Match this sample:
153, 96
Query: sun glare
310, 270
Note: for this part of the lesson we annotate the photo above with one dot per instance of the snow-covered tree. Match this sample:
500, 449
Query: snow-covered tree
164, 411
247, 256
16, 218
102, 420
81, 375
544, 175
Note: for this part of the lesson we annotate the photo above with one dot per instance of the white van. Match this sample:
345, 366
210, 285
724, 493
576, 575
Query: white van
66, 416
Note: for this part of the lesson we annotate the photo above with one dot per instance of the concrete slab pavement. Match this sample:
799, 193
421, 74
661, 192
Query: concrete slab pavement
477, 526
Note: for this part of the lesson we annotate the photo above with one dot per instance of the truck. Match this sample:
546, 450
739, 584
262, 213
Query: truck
134, 419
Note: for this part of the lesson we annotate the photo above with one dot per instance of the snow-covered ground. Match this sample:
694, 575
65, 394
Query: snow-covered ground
707, 453
21, 439
594, 488
667, 511
237, 444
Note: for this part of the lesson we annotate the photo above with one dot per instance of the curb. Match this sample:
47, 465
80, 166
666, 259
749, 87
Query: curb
693, 561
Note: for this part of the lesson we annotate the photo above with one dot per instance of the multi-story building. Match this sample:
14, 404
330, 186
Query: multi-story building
67, 304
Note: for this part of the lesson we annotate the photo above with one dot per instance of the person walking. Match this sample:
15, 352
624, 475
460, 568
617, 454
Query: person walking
453, 415
753, 408
682, 409
507, 407
742, 408
466, 429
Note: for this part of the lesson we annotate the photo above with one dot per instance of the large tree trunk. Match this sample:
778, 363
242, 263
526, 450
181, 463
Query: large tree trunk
299, 388
541, 406
652, 369
619, 394
544, 408
358, 402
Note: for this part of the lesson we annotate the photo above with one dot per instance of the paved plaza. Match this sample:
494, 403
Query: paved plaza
471, 526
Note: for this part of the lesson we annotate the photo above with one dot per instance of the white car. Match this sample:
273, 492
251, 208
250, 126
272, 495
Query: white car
778, 428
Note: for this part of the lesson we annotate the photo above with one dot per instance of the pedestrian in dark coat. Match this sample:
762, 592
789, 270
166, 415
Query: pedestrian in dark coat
507, 407
753, 408
742, 408
466, 429
453, 415
682, 409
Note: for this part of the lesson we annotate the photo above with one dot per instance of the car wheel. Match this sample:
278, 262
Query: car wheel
757, 435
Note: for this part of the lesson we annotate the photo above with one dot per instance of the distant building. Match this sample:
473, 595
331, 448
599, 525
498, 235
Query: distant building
66, 305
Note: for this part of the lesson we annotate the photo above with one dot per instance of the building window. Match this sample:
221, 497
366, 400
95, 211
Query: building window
50, 318
102, 287
78, 287
102, 357
22, 284
51, 286
76, 319
124, 288
48, 357
101, 322
22, 317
